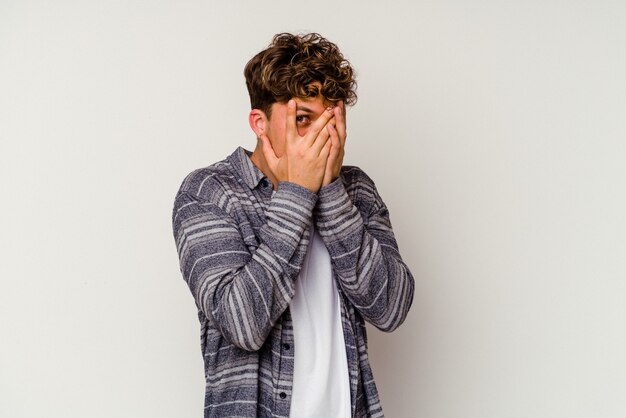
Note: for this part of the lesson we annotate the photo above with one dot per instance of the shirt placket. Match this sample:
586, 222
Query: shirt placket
285, 346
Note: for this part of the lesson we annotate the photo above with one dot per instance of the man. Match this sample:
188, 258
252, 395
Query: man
287, 252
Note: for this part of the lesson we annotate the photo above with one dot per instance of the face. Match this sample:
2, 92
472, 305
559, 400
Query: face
307, 111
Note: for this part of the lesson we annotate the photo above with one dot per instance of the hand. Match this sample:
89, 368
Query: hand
305, 159
337, 132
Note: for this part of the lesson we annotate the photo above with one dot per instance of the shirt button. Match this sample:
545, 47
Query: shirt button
282, 395
286, 346
264, 183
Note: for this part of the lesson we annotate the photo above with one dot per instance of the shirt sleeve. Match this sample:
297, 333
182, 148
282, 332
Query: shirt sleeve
364, 252
243, 292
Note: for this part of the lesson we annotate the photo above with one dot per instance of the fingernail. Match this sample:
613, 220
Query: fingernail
291, 103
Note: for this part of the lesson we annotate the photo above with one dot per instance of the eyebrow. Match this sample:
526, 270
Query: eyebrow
304, 109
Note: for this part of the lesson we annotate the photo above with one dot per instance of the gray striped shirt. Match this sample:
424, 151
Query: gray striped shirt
240, 251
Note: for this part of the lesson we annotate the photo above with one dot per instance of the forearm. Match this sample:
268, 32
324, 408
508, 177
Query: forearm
365, 255
241, 290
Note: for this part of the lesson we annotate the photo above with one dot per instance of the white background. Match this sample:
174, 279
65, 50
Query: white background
495, 131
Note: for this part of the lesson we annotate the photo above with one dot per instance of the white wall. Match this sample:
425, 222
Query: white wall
496, 133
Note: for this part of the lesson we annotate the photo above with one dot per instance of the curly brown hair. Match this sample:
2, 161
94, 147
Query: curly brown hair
292, 66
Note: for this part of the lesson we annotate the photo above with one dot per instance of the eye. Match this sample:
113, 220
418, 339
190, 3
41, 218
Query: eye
303, 120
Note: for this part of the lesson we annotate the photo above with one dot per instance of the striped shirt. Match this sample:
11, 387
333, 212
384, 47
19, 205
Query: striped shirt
240, 251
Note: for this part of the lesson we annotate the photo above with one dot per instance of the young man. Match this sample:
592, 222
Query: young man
287, 252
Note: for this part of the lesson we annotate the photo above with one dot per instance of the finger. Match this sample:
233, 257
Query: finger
334, 137
291, 128
340, 116
316, 127
325, 151
320, 141
268, 151
337, 152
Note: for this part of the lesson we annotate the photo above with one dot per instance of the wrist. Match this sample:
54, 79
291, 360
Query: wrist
332, 185
303, 192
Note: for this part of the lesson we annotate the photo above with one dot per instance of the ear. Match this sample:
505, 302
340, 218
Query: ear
258, 122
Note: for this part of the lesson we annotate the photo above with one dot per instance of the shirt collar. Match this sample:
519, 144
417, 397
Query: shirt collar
250, 173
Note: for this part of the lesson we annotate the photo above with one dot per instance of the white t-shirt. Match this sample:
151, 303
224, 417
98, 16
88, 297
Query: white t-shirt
321, 384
